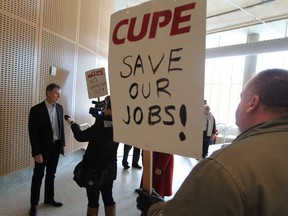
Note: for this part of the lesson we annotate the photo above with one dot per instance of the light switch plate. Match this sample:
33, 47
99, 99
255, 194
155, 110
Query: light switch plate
53, 71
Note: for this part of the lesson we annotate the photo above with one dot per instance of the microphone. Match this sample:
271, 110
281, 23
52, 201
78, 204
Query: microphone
69, 119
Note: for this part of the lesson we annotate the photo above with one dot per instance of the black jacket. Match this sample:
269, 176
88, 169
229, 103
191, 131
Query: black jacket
101, 151
40, 129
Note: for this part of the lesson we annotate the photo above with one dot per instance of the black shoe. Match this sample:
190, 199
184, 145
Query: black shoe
33, 211
125, 165
137, 190
136, 165
53, 203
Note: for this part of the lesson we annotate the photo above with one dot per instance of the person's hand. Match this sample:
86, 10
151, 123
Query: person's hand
38, 158
213, 136
69, 119
145, 200
158, 171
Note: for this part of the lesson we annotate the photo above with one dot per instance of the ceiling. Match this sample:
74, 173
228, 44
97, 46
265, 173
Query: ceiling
234, 14
268, 17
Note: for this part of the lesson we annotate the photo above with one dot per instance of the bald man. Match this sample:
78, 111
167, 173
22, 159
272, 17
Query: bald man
248, 177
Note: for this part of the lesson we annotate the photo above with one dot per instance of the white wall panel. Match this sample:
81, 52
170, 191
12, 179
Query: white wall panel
61, 17
107, 8
17, 45
24, 9
89, 24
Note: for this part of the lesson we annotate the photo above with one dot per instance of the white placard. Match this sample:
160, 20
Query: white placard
96, 83
156, 73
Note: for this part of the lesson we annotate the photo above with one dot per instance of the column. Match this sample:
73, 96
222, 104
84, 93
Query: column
250, 60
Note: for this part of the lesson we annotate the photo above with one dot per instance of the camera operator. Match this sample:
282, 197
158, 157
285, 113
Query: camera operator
101, 154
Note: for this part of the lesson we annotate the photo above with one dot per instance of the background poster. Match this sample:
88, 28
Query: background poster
156, 73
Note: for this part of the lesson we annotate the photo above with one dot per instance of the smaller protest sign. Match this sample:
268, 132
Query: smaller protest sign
96, 82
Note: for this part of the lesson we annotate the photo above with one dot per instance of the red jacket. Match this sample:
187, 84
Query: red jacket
163, 183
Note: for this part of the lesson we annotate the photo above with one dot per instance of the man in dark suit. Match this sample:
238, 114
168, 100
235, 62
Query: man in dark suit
46, 133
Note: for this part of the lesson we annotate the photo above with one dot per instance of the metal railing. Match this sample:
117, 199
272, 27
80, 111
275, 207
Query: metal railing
227, 132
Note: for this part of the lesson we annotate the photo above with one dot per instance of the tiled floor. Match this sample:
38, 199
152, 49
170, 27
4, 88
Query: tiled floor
15, 201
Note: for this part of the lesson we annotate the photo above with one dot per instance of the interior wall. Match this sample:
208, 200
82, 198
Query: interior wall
35, 35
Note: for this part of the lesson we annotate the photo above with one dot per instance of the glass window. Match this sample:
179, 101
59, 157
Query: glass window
272, 60
223, 85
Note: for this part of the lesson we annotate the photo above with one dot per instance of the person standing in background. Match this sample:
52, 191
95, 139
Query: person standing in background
135, 158
209, 130
46, 133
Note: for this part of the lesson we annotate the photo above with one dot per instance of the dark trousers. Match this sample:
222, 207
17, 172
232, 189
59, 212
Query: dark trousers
136, 154
50, 163
206, 143
106, 192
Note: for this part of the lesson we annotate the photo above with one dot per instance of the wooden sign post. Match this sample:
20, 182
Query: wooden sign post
147, 170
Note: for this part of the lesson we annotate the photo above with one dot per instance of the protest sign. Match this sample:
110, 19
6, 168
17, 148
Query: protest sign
96, 83
156, 72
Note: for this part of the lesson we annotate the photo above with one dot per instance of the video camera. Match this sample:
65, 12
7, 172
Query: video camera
97, 110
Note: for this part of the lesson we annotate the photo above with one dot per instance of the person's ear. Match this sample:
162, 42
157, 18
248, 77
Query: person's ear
254, 103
